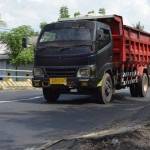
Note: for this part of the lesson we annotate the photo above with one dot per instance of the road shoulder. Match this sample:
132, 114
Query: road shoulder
131, 138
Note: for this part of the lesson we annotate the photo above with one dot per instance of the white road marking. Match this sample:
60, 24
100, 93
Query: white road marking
25, 99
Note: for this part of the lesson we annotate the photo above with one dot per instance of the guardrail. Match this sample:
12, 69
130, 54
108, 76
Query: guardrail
7, 80
28, 76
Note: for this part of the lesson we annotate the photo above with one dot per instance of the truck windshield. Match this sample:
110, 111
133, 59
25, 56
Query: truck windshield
67, 34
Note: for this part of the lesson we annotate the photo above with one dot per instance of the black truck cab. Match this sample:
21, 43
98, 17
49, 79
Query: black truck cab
75, 54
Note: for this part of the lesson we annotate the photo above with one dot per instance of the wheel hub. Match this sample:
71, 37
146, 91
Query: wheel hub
108, 88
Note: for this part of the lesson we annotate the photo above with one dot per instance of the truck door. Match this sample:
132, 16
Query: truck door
104, 50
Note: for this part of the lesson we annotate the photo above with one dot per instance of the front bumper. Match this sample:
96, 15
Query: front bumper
72, 82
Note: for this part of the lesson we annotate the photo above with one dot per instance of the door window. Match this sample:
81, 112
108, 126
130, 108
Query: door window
103, 38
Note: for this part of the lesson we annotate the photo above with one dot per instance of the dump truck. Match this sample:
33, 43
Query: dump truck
92, 55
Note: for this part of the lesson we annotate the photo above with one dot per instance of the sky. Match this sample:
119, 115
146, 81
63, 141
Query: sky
32, 12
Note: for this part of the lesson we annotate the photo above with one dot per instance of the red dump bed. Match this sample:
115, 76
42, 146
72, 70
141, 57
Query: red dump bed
131, 46
136, 46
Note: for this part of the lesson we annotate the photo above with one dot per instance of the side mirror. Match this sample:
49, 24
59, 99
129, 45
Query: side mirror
28, 41
24, 42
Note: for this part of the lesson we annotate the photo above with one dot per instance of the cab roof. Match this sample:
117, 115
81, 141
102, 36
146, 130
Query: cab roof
88, 18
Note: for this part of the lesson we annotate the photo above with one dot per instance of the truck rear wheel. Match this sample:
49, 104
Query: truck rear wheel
143, 85
105, 91
51, 95
134, 91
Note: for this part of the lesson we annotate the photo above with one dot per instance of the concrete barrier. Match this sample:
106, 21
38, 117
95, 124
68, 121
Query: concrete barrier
11, 84
7, 81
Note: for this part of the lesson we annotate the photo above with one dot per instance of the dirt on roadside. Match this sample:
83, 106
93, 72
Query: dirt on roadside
131, 140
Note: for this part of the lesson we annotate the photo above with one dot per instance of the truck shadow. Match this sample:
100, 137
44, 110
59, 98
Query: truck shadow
120, 98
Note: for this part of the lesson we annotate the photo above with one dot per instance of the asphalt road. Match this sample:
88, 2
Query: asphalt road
26, 121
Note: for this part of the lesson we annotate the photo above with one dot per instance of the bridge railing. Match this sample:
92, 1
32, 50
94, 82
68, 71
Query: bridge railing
7, 73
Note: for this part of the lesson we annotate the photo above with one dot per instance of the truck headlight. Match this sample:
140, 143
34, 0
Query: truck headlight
87, 71
38, 72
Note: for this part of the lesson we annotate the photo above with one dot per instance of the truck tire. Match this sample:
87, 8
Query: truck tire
51, 95
143, 85
105, 91
134, 91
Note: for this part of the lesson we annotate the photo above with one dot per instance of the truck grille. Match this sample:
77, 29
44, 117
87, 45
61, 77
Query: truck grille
68, 72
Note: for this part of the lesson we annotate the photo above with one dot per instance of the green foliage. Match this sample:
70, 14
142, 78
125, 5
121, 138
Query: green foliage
102, 11
76, 14
24, 57
139, 26
91, 12
2, 22
42, 25
64, 12
13, 39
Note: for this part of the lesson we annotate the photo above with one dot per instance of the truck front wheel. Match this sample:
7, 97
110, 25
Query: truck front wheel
143, 85
51, 95
105, 91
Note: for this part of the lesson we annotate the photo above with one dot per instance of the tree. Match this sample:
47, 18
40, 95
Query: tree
139, 26
25, 56
2, 22
91, 12
42, 25
64, 12
76, 14
102, 11
17, 54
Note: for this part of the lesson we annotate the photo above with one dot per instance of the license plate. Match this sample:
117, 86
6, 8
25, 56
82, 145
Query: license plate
60, 81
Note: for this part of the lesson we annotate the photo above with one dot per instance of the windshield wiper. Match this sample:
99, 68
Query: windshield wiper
47, 46
78, 45
64, 49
